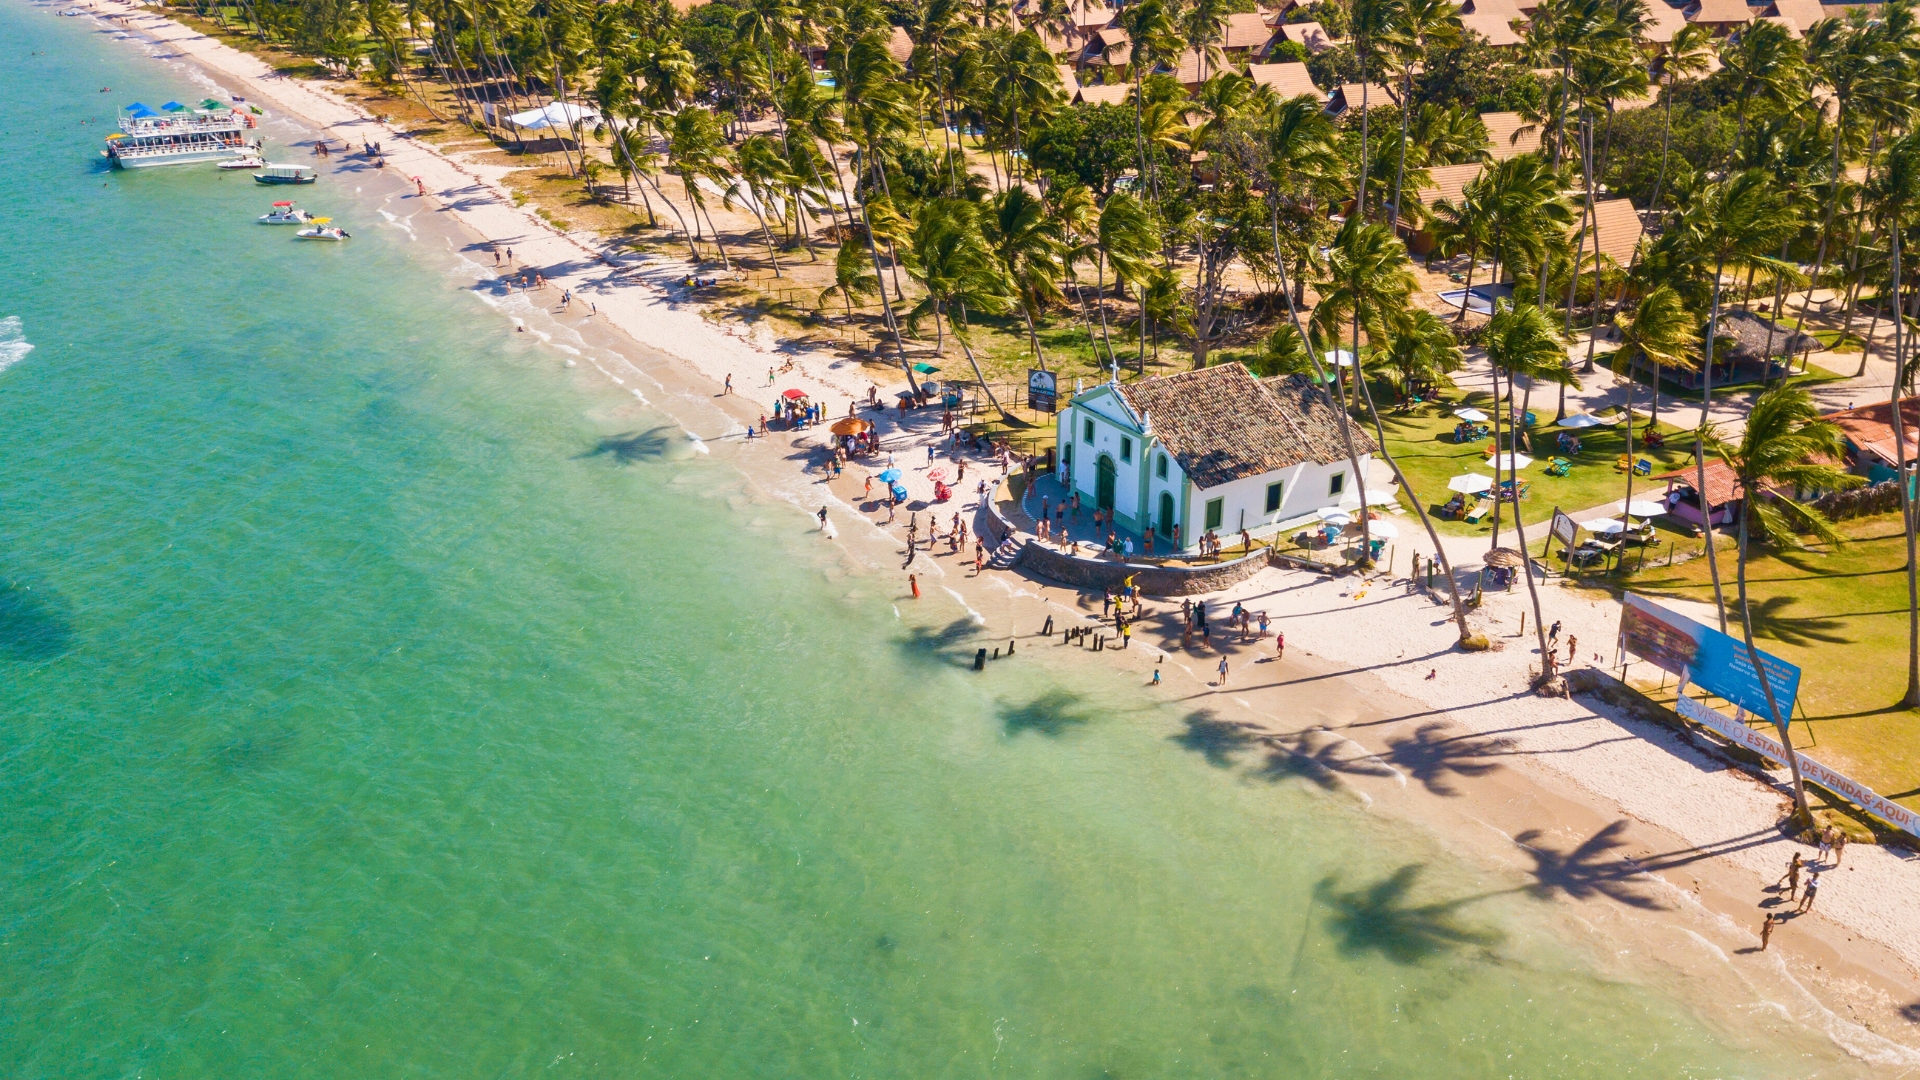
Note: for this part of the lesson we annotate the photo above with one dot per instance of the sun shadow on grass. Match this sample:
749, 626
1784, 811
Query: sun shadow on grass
1805, 630
33, 625
1379, 918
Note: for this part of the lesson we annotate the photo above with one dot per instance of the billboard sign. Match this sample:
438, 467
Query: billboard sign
1705, 657
1563, 529
1043, 391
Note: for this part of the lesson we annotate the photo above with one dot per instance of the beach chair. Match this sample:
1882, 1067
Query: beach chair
1643, 467
1559, 467
1622, 464
1478, 513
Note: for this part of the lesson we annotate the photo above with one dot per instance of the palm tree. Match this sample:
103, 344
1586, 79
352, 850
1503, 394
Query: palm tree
1742, 220
1892, 195
1521, 339
764, 173
1201, 24
1415, 26
1028, 244
697, 149
1763, 61
1664, 332
1785, 447
950, 258
1368, 282
850, 276
1127, 237
1162, 303
1685, 57
1152, 35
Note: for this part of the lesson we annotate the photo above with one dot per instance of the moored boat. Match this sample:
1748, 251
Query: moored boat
284, 174
252, 161
177, 135
323, 229
285, 213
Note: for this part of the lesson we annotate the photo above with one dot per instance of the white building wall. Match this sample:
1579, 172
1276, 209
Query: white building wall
1304, 488
1106, 440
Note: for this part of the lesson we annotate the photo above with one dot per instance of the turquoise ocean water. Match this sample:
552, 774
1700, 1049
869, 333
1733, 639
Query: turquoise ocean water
379, 699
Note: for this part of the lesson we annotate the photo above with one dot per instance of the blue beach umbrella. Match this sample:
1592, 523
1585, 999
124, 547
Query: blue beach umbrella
889, 476
139, 110
173, 106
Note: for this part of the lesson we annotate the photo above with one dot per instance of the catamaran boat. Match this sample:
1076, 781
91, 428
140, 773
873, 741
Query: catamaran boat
323, 229
285, 174
177, 135
285, 213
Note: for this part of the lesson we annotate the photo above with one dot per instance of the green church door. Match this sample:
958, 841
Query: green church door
1103, 482
1166, 514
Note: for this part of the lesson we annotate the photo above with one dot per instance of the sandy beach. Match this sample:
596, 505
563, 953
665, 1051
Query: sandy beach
1642, 837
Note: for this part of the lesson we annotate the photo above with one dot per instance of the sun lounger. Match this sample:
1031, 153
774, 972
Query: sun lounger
1478, 513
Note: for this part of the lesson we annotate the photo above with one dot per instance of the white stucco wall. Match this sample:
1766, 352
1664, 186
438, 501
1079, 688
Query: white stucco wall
1304, 489
1108, 433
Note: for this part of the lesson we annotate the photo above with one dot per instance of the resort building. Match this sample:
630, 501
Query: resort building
1872, 451
1210, 450
1288, 80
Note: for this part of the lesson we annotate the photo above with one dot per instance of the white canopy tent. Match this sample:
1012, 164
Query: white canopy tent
559, 114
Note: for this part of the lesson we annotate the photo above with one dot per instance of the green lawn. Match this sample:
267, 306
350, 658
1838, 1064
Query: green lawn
1814, 375
1841, 615
1422, 442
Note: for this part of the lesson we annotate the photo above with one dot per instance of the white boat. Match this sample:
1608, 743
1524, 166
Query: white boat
323, 229
254, 162
180, 135
285, 213
285, 174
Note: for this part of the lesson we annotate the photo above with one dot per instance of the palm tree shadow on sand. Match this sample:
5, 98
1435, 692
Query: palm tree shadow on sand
1318, 758
1589, 870
1379, 918
1435, 758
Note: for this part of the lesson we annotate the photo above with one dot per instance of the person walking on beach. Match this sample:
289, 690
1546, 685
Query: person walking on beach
1766, 931
728, 388
1572, 644
422, 186
979, 558
1839, 844
1223, 671
1791, 879
1553, 636
1806, 898
823, 517
1826, 845
1280, 645
496, 258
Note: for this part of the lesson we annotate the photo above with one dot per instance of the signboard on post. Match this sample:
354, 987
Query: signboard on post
1810, 770
1563, 529
1705, 657
1042, 391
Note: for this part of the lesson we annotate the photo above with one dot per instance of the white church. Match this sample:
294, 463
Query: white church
1213, 450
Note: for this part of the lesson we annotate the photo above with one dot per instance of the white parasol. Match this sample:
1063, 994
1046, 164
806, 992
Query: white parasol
1645, 509
1514, 461
1583, 420
1472, 416
1470, 484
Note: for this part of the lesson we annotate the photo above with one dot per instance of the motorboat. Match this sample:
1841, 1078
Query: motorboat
243, 163
285, 174
285, 213
323, 229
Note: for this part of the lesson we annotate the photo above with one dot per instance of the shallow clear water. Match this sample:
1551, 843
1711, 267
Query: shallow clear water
382, 700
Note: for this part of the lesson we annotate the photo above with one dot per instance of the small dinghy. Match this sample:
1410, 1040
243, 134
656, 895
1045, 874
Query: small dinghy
285, 213
323, 229
244, 163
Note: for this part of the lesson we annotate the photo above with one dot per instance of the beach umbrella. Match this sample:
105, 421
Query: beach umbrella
926, 369
1604, 526
889, 476
1505, 557
850, 426
1643, 508
794, 395
1471, 416
1383, 529
209, 103
936, 475
1470, 484
173, 106
1583, 420
1516, 461
1339, 358
1334, 516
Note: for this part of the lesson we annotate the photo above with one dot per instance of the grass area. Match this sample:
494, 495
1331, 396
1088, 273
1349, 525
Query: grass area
1421, 440
1841, 615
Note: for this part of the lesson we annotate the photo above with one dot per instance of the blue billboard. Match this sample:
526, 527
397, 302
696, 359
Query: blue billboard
1705, 657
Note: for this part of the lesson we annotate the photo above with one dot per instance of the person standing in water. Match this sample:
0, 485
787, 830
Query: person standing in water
1766, 931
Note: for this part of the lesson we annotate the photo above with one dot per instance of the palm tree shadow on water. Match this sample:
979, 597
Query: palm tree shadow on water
1379, 918
926, 645
1219, 741
1053, 714
632, 447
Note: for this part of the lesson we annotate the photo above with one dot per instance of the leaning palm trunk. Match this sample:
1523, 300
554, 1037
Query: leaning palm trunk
977, 373
1907, 523
1780, 724
1700, 449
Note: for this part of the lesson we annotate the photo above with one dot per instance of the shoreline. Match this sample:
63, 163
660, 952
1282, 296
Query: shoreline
1566, 767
